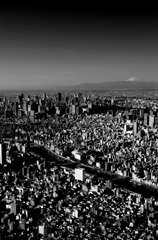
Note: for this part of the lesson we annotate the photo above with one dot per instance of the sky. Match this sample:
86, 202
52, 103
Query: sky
70, 45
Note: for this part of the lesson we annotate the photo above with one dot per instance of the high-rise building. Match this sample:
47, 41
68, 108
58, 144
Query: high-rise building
42, 109
2, 153
135, 128
29, 108
73, 109
32, 113
42, 229
8, 113
146, 119
80, 174
25, 107
90, 105
151, 121
44, 96
34, 107
80, 96
141, 113
151, 113
77, 110
16, 107
13, 208
21, 97
67, 99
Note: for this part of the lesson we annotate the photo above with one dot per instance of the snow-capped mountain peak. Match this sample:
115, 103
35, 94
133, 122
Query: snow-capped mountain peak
132, 79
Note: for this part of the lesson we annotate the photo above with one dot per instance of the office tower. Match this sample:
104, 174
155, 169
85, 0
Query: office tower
151, 113
8, 113
73, 101
23, 148
125, 128
90, 105
29, 108
77, 110
18, 146
59, 97
146, 119
32, 113
2, 153
34, 107
42, 229
73, 109
80, 96
24, 107
15, 107
141, 113
79, 174
135, 128
76, 100
67, 100
151, 121
84, 99
44, 96
42, 109
13, 208
21, 97
28, 98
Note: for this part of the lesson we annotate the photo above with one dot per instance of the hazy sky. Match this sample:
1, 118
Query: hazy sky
44, 45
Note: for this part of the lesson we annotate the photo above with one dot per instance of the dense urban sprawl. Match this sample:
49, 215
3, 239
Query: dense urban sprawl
42, 201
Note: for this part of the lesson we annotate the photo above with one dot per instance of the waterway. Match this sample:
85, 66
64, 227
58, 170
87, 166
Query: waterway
117, 180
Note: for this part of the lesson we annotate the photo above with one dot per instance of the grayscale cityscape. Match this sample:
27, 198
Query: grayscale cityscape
78, 121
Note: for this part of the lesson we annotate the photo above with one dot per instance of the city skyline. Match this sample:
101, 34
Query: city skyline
75, 46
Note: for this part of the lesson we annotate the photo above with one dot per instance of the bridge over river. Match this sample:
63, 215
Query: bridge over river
117, 180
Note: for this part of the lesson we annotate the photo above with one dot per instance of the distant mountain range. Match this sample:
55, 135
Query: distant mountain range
119, 85
130, 84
